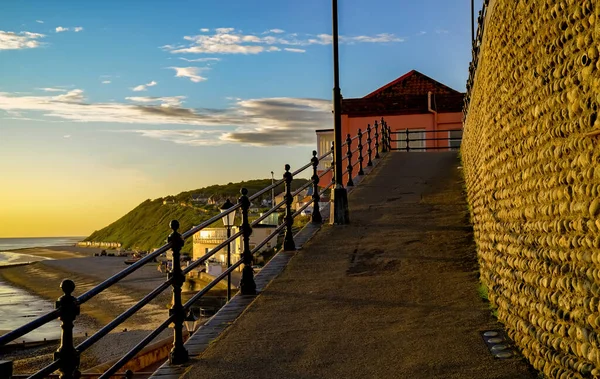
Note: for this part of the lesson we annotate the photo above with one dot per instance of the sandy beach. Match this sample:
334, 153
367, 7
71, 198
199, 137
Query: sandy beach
43, 278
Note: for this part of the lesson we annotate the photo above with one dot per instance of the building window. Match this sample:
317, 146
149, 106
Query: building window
324, 140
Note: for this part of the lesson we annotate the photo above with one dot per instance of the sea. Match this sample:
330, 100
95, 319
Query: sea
18, 307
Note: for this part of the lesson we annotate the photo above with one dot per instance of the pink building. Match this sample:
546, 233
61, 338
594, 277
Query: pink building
429, 109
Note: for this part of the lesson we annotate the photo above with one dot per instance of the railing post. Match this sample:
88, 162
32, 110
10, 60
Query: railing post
360, 155
383, 137
66, 354
178, 354
247, 284
369, 151
407, 140
349, 155
316, 213
376, 141
288, 242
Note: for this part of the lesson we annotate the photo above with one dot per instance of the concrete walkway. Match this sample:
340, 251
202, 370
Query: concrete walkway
393, 295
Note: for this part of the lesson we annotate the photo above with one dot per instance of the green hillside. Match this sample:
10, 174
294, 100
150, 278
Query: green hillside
147, 225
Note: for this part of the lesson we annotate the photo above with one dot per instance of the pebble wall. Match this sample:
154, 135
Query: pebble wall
532, 168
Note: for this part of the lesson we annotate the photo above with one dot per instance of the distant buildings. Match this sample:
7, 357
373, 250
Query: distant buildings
209, 238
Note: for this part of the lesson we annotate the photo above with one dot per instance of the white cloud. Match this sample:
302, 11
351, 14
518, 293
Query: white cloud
67, 136
422, 32
224, 30
18, 41
168, 101
205, 30
232, 41
106, 82
200, 59
293, 50
39, 21
190, 72
262, 122
48, 89
143, 87
73, 96
76, 29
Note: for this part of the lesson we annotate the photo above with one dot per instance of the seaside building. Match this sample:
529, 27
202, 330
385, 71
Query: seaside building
209, 238
415, 102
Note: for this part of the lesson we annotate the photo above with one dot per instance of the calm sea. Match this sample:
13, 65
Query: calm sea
18, 307
7, 244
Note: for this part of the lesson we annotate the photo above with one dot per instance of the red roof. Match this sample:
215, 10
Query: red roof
412, 83
406, 95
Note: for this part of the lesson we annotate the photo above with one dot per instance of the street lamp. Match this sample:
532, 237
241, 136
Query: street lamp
340, 195
272, 190
190, 322
228, 221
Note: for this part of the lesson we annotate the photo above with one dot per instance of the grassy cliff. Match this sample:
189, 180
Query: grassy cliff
147, 225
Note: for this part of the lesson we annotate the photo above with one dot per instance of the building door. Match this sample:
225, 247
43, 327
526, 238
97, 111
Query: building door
415, 140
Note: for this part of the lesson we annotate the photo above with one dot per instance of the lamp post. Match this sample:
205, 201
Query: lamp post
190, 322
272, 190
228, 221
340, 196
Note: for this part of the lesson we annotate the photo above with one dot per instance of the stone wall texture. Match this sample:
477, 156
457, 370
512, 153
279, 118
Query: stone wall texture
532, 169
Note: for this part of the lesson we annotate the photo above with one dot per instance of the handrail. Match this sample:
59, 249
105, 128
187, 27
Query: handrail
425, 131
67, 306
407, 139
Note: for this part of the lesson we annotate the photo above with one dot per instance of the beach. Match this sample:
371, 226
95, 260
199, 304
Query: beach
42, 279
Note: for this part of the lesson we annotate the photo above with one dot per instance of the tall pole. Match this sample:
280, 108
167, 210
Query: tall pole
340, 196
337, 101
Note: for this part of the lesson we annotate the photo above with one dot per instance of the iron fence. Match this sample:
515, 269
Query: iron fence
67, 308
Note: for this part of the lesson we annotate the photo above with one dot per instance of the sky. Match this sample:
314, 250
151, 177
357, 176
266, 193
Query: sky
104, 104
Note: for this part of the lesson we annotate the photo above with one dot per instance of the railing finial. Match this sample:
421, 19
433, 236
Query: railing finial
66, 354
349, 155
288, 241
316, 213
178, 354
247, 284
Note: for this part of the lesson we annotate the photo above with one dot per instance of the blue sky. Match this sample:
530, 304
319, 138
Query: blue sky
157, 97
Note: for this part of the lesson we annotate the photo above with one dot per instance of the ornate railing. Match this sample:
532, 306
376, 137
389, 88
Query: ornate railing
67, 357
476, 45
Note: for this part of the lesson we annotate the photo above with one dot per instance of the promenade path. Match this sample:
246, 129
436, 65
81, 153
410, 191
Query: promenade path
392, 295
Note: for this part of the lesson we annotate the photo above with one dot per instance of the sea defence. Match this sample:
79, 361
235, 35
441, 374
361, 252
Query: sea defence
532, 169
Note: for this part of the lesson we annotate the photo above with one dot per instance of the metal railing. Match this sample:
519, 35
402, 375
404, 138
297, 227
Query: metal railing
401, 140
67, 307
475, 48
